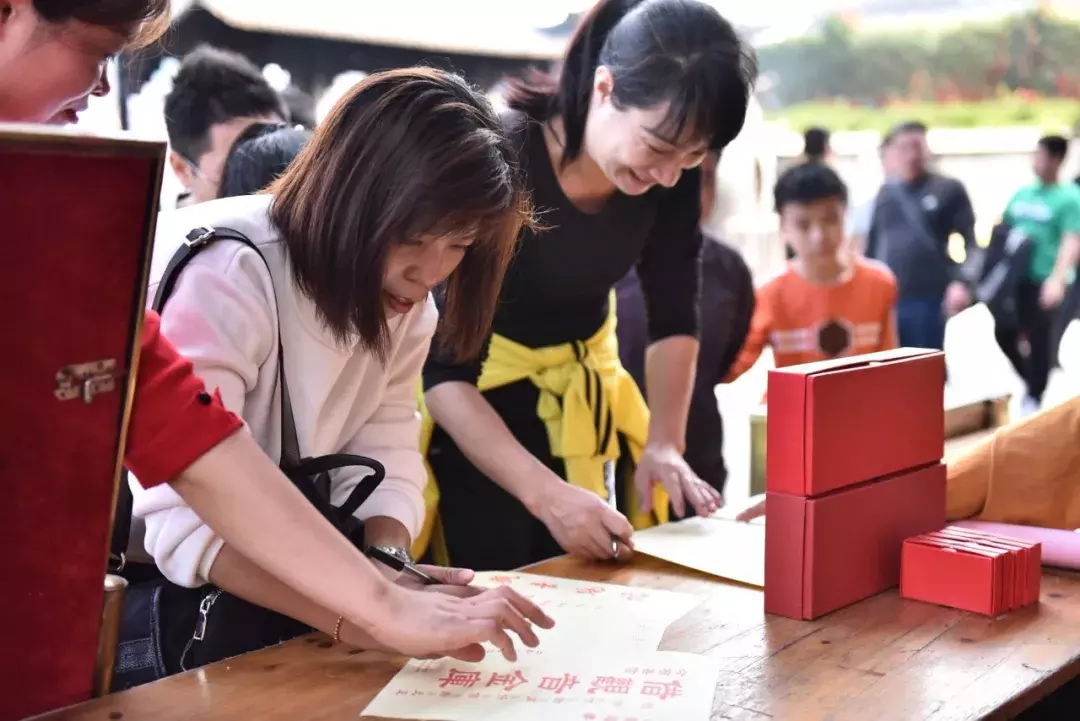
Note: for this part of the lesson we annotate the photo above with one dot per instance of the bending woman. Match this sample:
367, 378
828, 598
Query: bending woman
610, 151
406, 183
53, 57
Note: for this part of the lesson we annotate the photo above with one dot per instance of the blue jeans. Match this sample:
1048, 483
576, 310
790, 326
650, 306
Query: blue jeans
920, 323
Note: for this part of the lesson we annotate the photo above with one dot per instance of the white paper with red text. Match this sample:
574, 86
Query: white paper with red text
595, 615
591, 686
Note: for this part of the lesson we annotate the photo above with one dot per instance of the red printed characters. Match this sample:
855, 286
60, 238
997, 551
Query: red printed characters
558, 684
611, 684
463, 679
507, 681
662, 689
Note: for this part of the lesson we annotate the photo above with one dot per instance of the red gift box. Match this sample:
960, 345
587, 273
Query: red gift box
933, 570
845, 421
825, 553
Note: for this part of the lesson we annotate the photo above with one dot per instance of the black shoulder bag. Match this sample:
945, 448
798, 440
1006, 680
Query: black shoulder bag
168, 628
1004, 267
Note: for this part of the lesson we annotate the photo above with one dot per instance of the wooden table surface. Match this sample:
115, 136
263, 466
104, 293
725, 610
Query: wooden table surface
883, 659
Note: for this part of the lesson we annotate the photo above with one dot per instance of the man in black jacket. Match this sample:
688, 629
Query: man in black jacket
915, 214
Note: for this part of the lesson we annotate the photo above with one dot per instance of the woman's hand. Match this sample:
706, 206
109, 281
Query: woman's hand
664, 464
437, 624
583, 523
755, 508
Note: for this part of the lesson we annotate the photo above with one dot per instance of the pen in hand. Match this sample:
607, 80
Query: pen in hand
609, 486
399, 565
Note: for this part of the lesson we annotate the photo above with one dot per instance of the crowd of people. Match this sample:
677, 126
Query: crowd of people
423, 283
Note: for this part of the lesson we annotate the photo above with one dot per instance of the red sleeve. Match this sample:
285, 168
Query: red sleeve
174, 420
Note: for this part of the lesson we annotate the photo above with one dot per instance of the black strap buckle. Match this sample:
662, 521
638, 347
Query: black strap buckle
199, 236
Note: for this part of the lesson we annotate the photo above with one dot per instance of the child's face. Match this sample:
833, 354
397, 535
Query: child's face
815, 231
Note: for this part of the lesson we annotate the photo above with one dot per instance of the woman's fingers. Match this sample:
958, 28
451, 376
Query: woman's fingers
706, 500
456, 591
519, 603
493, 632
508, 618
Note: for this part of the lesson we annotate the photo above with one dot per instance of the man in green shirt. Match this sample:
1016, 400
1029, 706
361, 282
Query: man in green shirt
1048, 212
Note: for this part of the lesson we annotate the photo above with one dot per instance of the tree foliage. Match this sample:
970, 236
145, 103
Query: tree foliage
1035, 52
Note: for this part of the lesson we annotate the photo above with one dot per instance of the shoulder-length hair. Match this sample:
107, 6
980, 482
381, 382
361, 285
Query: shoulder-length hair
681, 52
405, 153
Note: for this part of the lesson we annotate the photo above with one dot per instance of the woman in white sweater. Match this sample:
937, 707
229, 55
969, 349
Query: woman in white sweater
409, 182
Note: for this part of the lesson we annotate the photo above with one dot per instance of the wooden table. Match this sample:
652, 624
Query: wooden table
884, 659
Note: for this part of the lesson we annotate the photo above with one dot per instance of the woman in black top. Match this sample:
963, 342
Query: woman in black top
646, 89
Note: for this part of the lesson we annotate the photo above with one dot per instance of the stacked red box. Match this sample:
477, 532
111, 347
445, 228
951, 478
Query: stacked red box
854, 467
971, 570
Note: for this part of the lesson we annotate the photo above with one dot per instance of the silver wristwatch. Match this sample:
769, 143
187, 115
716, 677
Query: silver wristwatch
402, 554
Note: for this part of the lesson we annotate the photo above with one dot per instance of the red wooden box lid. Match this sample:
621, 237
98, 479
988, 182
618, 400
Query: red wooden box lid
78, 217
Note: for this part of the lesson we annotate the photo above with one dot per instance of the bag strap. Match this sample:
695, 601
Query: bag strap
196, 241
291, 463
325, 464
1004, 274
915, 217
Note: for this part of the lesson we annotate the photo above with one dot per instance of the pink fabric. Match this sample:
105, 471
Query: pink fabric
1059, 548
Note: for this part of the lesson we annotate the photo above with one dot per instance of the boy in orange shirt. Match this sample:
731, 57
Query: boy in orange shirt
829, 302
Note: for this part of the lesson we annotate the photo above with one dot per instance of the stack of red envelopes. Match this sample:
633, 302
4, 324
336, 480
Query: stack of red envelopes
971, 570
854, 467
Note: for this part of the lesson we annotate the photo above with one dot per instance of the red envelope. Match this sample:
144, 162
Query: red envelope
1012, 590
825, 553
957, 575
842, 422
1029, 559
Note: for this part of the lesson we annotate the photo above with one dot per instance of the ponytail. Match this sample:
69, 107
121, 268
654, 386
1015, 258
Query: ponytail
544, 95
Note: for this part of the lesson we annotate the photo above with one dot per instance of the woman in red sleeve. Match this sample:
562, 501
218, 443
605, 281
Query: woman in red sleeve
53, 56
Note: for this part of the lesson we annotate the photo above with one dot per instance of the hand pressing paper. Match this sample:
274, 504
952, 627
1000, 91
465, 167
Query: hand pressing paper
654, 686
718, 545
605, 616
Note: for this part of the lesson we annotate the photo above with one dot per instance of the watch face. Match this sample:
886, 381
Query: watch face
398, 552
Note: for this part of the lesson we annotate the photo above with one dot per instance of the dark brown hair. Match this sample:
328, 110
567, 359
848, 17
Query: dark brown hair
142, 21
405, 153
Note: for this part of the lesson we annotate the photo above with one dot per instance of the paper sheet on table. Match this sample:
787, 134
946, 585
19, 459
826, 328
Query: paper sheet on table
652, 686
601, 615
717, 545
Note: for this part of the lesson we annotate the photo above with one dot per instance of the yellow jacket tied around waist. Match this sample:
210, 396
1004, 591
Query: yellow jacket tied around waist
586, 399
